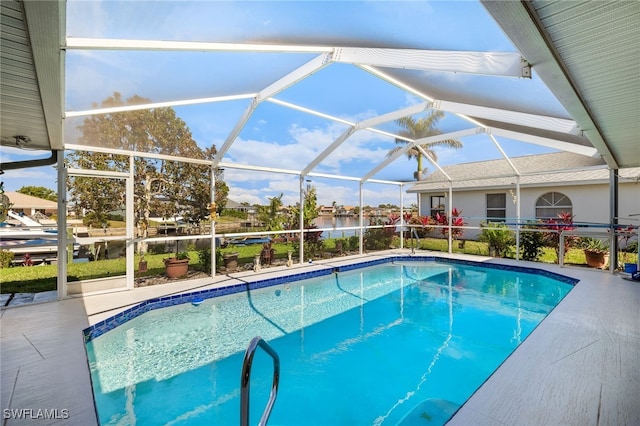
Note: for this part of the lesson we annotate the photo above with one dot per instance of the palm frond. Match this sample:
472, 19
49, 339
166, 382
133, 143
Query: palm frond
419, 129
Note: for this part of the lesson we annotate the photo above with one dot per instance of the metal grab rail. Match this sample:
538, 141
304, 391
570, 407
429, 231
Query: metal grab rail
246, 377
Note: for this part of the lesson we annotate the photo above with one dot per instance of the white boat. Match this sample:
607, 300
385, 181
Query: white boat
24, 235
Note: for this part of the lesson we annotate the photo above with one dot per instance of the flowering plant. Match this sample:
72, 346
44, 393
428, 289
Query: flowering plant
625, 234
456, 220
551, 238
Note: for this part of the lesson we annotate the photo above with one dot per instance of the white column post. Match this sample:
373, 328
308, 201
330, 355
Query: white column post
62, 227
213, 220
402, 218
518, 213
301, 218
450, 208
129, 224
361, 219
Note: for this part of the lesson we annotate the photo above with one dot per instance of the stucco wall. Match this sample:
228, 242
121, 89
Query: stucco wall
590, 203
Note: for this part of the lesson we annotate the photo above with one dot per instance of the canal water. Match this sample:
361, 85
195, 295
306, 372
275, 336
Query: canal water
338, 222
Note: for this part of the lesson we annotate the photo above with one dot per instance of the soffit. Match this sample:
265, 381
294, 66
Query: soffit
588, 54
31, 101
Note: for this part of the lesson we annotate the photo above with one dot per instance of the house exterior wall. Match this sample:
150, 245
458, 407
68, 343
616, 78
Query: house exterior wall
590, 203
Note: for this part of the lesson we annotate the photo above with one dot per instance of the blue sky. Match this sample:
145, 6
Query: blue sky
276, 136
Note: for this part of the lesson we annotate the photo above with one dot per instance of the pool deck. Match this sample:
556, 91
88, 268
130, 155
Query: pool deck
580, 366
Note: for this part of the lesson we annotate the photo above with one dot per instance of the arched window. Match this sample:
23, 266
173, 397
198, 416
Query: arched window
551, 204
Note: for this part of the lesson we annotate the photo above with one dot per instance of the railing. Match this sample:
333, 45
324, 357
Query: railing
246, 378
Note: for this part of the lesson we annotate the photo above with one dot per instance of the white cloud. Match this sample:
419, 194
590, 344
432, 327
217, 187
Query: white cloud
86, 19
242, 195
36, 176
9, 154
359, 154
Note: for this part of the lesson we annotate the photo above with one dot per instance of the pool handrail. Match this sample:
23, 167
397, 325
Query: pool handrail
246, 378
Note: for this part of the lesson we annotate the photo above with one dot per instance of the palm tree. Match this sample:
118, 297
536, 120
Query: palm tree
422, 128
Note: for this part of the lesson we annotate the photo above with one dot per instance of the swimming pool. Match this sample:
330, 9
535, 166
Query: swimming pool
391, 343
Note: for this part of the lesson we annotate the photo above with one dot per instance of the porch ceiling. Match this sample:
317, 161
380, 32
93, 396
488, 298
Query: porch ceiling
588, 54
31, 104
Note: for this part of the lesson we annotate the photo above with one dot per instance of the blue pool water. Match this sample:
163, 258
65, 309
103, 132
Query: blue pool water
386, 345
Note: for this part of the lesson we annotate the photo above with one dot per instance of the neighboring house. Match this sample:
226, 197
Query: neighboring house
486, 190
234, 205
336, 211
31, 206
326, 210
250, 211
345, 211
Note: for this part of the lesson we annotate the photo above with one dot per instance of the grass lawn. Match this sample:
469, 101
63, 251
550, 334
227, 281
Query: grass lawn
35, 279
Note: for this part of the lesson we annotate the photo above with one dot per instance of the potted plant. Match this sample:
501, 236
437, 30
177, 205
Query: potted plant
230, 260
177, 266
267, 254
142, 264
596, 251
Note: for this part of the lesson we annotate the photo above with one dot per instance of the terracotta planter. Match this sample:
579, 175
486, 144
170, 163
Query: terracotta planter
596, 259
176, 268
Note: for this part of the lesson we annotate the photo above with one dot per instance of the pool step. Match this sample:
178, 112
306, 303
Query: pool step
431, 411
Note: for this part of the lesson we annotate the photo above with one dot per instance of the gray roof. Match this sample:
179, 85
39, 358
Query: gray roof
232, 204
24, 201
535, 170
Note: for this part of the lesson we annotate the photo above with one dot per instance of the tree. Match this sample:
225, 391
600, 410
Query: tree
97, 196
313, 243
40, 192
165, 187
310, 210
418, 129
270, 215
221, 195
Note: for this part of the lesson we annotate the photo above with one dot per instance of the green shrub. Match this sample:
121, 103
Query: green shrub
380, 238
6, 257
96, 219
532, 244
157, 249
313, 243
234, 213
354, 243
341, 244
499, 240
204, 259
